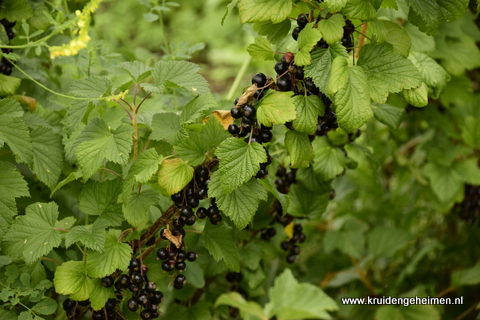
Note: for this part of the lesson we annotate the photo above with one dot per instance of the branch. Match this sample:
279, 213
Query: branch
361, 40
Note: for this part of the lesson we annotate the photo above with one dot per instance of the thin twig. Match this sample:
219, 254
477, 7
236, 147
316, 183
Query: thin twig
53, 260
124, 108
111, 171
361, 40
141, 102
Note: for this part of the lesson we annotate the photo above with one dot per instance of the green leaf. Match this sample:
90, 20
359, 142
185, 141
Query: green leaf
174, 175
195, 275
219, 242
45, 306
16, 10
336, 5
417, 97
192, 149
196, 107
275, 32
239, 161
321, 65
230, 7
329, 161
99, 198
332, 28
261, 49
213, 133
71, 279
421, 42
239, 205
292, 300
91, 236
137, 208
14, 132
307, 39
305, 203
428, 14
33, 235
264, 10
116, 255
166, 126
141, 170
359, 9
445, 181
92, 87
299, 149
270, 187
11, 107
389, 115
137, 70
181, 74
469, 171
234, 299
471, 131
385, 241
412, 312
352, 101
398, 37
276, 108
97, 143
387, 71
8, 85
433, 75
47, 155
100, 295
466, 277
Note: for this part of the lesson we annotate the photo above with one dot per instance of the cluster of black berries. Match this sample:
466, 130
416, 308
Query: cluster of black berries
469, 209
5, 66
144, 292
287, 74
175, 258
347, 39
76, 309
235, 278
292, 245
327, 122
189, 198
249, 125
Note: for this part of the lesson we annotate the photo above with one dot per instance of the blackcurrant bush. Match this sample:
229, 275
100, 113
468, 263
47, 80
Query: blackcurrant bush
281, 67
107, 281
201, 213
302, 20
191, 256
180, 281
132, 305
284, 83
236, 113
296, 32
233, 129
260, 79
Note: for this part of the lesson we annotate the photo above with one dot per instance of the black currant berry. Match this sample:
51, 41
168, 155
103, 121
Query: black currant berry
299, 74
284, 83
180, 281
295, 250
249, 111
151, 287
177, 197
233, 129
107, 281
178, 223
201, 213
111, 304
186, 212
281, 67
180, 265
260, 79
132, 305
136, 278
191, 256
290, 177
302, 20
193, 202
311, 86
266, 135
69, 304
156, 297
135, 265
166, 266
349, 28
201, 193
181, 255
212, 211
285, 245
216, 220
234, 277
190, 221
98, 315
145, 315
291, 258
247, 120
236, 113
296, 32
142, 299
332, 194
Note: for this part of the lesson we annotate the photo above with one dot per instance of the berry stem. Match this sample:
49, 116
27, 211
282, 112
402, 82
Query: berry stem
361, 40
238, 78
160, 223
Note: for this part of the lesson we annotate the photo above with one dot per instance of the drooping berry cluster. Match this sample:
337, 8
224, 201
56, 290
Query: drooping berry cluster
76, 309
174, 258
469, 209
235, 278
5, 66
327, 123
